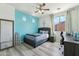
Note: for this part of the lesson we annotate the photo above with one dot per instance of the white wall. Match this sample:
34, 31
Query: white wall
7, 12
75, 19
45, 21
60, 13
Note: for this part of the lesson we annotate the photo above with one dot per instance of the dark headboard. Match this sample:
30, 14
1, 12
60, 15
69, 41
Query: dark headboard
45, 29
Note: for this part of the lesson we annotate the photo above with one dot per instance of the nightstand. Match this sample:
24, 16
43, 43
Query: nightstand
51, 39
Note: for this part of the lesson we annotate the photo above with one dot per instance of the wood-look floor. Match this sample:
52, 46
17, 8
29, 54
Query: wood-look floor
46, 49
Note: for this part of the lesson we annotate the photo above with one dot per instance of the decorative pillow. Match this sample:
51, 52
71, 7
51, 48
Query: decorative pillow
76, 35
43, 32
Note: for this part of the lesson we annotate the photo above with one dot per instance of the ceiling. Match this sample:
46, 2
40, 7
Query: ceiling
30, 7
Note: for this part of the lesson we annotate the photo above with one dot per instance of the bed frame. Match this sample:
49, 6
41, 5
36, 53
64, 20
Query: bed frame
33, 42
45, 29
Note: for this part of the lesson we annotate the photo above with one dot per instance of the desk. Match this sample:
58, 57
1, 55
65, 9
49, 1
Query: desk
71, 47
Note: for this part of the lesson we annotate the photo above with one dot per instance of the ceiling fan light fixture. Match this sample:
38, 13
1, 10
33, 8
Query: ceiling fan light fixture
44, 4
41, 8
58, 8
39, 11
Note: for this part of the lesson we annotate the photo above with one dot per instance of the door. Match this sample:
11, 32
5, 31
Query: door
6, 34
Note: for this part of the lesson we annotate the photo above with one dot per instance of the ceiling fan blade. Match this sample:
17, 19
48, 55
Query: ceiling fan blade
46, 9
37, 7
36, 11
43, 4
42, 12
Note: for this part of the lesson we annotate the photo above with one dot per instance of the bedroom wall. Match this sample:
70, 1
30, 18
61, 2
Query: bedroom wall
72, 21
7, 11
75, 19
25, 23
45, 21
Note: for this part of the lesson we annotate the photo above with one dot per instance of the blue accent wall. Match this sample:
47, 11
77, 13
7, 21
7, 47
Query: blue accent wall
29, 25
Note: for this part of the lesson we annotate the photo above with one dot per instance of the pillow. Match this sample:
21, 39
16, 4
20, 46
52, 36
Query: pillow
76, 35
43, 32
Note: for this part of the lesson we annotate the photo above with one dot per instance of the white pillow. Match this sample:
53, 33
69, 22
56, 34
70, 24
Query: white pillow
44, 32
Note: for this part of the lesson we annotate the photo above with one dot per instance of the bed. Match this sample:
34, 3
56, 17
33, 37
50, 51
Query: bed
37, 38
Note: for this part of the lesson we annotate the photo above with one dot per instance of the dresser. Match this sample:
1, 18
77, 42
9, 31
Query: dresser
71, 47
6, 33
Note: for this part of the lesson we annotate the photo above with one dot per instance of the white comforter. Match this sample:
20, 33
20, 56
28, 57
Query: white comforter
38, 37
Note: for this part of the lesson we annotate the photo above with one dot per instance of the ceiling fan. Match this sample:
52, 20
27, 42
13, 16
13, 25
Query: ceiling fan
41, 8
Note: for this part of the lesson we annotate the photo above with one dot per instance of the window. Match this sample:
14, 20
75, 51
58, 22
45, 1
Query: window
56, 21
62, 19
59, 22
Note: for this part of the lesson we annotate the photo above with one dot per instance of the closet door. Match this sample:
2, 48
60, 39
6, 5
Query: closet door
6, 34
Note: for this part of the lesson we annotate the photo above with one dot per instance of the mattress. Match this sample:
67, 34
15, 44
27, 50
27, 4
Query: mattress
37, 37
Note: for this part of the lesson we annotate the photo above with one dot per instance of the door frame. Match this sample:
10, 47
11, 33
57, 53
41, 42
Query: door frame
12, 32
